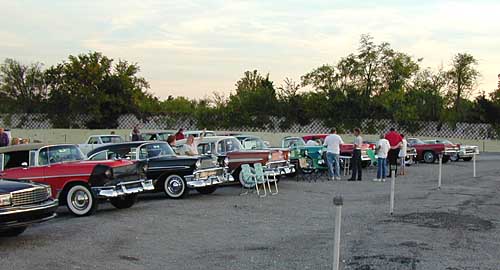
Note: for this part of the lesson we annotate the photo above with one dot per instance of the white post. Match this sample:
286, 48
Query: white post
393, 186
474, 164
440, 170
338, 202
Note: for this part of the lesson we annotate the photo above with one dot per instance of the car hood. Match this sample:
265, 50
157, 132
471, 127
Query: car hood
7, 186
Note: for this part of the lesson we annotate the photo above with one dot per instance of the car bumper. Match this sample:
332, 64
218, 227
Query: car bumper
124, 188
22, 216
468, 153
280, 169
208, 177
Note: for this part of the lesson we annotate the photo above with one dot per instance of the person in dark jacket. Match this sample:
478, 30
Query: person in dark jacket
356, 156
4, 138
136, 134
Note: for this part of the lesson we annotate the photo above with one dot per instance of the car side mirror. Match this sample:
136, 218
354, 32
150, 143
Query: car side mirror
24, 165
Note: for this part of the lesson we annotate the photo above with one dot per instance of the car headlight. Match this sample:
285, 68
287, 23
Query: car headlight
226, 161
49, 192
198, 164
108, 173
5, 200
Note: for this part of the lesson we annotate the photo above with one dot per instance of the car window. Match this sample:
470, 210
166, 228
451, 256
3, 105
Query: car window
93, 140
111, 139
253, 143
59, 153
221, 147
103, 155
155, 150
232, 145
15, 159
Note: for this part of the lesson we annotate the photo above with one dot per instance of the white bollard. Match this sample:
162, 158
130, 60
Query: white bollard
393, 187
474, 164
440, 170
338, 202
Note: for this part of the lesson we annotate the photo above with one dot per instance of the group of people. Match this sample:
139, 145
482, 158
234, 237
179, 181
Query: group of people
190, 148
389, 149
5, 139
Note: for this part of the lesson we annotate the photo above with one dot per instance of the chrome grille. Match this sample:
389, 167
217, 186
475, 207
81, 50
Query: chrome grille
29, 196
275, 165
209, 173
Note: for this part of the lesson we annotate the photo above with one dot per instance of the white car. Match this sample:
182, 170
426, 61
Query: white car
95, 141
466, 153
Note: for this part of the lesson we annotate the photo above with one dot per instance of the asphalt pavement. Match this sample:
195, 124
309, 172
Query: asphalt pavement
455, 228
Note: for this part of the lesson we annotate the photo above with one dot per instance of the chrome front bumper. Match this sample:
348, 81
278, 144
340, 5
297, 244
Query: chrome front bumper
197, 180
468, 152
280, 169
124, 188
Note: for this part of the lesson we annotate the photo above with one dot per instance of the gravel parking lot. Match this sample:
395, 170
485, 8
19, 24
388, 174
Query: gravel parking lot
455, 228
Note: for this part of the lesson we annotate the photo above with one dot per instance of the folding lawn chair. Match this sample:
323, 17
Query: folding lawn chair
265, 176
250, 180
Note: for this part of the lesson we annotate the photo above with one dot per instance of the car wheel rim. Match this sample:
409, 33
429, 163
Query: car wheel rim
428, 157
174, 186
80, 200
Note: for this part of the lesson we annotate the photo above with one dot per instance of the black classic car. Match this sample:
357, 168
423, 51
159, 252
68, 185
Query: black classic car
23, 203
171, 173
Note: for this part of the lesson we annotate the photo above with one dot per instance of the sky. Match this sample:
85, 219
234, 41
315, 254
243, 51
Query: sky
193, 48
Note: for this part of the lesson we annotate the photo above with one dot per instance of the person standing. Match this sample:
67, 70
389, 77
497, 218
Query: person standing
4, 138
383, 147
332, 143
356, 156
180, 134
395, 140
402, 154
136, 134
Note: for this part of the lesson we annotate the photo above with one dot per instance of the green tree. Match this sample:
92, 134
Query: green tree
463, 77
22, 87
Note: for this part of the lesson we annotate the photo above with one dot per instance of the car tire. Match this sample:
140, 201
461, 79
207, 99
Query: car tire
454, 157
124, 202
81, 201
12, 232
207, 190
429, 157
175, 186
467, 158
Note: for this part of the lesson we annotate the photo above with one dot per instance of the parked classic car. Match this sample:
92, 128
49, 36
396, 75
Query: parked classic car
98, 140
23, 203
311, 157
430, 152
171, 173
229, 147
466, 152
77, 183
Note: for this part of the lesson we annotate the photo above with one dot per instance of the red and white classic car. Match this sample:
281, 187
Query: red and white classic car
76, 182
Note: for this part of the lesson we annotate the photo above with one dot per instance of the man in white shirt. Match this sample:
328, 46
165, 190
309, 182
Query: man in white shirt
332, 143
191, 146
402, 154
383, 147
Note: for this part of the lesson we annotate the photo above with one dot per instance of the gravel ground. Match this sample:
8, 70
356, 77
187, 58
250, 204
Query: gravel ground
455, 228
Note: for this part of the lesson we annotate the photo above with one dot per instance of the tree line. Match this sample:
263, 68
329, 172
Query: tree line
374, 82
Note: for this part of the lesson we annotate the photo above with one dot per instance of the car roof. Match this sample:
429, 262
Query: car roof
22, 147
119, 145
105, 135
242, 136
158, 131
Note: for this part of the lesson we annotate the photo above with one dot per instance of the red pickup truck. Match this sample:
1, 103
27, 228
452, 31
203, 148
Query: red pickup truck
76, 182
430, 152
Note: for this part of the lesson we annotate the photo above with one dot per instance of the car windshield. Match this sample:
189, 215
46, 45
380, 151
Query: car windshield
152, 150
160, 136
415, 141
253, 143
112, 139
59, 153
444, 141
293, 142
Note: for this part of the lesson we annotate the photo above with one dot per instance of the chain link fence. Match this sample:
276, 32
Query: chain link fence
473, 131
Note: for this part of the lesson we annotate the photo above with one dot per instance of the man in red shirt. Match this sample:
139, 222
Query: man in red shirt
179, 135
395, 141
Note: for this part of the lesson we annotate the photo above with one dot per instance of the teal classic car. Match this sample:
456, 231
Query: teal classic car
311, 156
